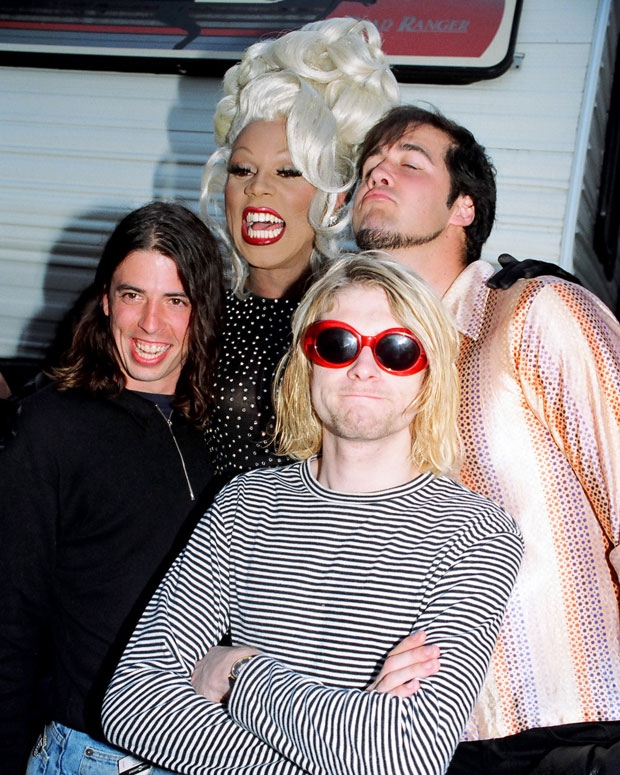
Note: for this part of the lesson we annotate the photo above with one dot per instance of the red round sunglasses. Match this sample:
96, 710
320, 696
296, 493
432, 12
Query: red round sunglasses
334, 344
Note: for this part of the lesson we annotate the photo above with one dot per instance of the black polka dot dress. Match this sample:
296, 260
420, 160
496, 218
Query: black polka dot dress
256, 335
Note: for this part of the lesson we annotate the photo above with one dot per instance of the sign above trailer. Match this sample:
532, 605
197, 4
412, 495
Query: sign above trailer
427, 41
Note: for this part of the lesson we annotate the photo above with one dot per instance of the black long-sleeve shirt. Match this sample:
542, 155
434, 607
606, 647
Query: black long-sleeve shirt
95, 500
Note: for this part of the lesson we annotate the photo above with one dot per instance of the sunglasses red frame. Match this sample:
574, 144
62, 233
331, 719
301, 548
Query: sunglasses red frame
315, 329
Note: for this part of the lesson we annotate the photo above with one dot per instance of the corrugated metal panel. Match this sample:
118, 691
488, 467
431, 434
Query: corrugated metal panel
527, 119
78, 150
587, 263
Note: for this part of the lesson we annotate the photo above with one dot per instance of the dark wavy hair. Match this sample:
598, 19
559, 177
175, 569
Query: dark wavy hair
471, 171
91, 361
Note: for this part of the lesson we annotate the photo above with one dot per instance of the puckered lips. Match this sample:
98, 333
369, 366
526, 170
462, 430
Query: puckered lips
377, 194
361, 395
261, 226
149, 352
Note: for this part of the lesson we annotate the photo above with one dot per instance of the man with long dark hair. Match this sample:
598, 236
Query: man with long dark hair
99, 483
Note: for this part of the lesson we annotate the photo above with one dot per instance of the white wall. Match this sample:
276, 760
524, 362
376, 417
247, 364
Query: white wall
78, 149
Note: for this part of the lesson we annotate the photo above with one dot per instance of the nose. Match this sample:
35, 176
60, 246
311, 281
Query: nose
364, 366
150, 320
380, 174
258, 184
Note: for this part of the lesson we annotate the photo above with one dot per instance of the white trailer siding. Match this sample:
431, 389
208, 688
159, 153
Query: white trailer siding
529, 119
78, 149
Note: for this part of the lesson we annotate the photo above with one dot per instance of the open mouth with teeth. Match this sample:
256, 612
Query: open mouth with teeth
261, 226
149, 352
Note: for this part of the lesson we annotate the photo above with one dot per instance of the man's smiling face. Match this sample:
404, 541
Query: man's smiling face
149, 314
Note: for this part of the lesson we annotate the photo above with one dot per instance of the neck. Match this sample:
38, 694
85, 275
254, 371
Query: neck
438, 263
271, 284
363, 466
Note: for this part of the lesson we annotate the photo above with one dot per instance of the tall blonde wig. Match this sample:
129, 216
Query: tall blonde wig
435, 444
331, 82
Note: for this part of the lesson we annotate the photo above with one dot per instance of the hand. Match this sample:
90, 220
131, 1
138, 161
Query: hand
406, 663
513, 270
210, 676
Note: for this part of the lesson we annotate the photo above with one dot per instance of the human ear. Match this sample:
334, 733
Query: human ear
105, 305
463, 210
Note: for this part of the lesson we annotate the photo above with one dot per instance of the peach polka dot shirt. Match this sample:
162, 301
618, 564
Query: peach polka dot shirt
540, 422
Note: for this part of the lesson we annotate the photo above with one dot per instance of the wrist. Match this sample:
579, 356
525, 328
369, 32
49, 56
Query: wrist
237, 668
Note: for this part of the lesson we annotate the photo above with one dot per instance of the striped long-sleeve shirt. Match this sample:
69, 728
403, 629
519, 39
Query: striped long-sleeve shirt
324, 584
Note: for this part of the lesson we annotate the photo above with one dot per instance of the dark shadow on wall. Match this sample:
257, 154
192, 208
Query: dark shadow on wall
69, 272
74, 256
178, 174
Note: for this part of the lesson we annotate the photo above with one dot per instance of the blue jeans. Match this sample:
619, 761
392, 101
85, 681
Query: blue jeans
61, 750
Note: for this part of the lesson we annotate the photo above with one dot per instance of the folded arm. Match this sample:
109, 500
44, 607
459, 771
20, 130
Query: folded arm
330, 730
406, 664
277, 717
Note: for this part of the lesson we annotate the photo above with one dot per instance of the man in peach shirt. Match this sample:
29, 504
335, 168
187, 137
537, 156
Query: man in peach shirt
540, 423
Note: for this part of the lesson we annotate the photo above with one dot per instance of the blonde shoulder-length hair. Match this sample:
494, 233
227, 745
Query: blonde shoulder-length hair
435, 444
331, 82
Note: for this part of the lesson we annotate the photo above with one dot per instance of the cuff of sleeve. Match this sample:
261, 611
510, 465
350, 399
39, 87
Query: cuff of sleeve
614, 557
264, 682
238, 689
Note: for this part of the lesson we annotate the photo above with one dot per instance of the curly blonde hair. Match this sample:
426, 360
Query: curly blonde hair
331, 82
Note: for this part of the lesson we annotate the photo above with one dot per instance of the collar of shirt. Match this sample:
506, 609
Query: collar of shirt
467, 297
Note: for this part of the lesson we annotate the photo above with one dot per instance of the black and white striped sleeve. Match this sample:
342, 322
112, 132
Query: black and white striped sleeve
151, 708
353, 732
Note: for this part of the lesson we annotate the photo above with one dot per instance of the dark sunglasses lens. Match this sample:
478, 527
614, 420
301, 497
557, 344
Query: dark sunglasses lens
336, 345
397, 352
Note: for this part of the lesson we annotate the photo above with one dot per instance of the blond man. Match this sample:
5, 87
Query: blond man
319, 568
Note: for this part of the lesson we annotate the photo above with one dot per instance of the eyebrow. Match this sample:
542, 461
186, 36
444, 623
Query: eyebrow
285, 151
403, 146
416, 147
137, 289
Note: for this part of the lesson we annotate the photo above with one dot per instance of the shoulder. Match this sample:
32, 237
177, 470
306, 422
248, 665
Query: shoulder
41, 419
50, 402
555, 296
553, 316
260, 486
266, 477
76, 412
231, 300
260, 304
548, 317
460, 503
